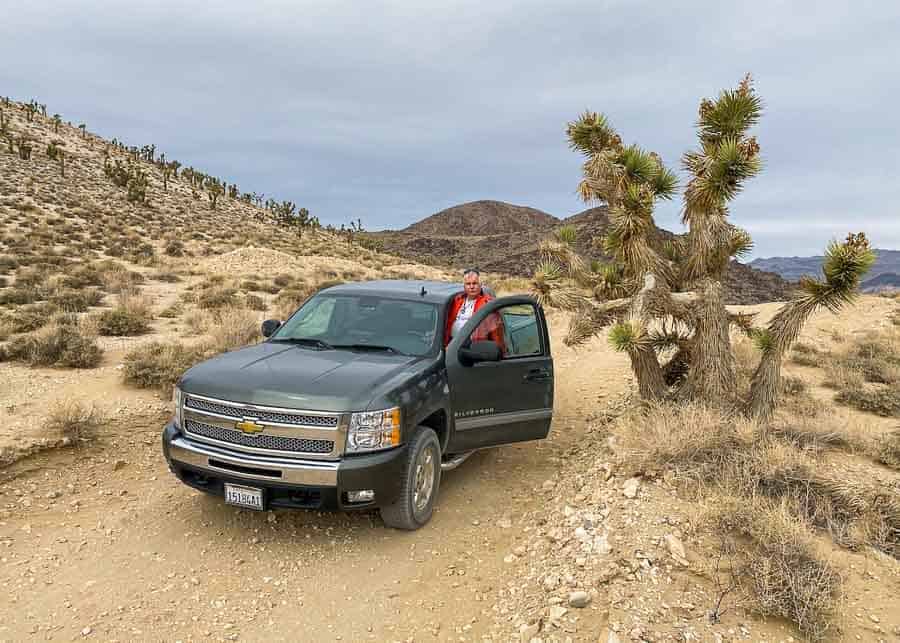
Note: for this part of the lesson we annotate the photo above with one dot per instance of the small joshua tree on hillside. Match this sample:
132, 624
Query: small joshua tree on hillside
57, 121
214, 190
665, 301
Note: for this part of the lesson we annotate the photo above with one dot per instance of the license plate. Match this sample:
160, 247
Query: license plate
249, 497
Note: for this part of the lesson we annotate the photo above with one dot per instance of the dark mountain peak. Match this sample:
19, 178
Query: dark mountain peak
482, 218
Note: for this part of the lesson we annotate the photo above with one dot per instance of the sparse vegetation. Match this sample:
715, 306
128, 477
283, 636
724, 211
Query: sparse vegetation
63, 342
158, 365
132, 316
74, 420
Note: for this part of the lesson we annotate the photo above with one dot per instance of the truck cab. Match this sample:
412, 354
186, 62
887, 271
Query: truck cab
360, 401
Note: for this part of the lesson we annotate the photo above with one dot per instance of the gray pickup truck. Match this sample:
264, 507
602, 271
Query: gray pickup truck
357, 401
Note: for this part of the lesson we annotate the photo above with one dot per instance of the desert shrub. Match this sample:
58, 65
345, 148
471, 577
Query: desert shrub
19, 296
792, 385
806, 355
283, 280
167, 277
254, 302
174, 248
131, 317
30, 277
142, 254
249, 285
778, 564
876, 356
74, 420
26, 319
157, 365
883, 400
894, 317
3, 282
60, 343
270, 288
889, 449
172, 311
76, 301
840, 376
83, 276
217, 298
7, 263
232, 328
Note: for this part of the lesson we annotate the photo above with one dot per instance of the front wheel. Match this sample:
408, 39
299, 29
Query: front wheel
419, 485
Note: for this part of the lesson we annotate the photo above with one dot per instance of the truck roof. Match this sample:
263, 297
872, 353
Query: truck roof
437, 292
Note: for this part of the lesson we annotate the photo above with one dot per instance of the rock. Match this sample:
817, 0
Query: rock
609, 637
579, 599
676, 548
551, 582
557, 612
119, 464
509, 558
86, 631
52, 494
607, 573
548, 485
630, 487
528, 632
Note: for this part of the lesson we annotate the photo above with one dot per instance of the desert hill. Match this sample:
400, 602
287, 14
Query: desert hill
482, 218
503, 237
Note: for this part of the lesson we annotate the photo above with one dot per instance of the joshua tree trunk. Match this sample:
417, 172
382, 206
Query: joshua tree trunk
712, 374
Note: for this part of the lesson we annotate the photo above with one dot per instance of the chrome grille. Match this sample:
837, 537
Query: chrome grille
259, 440
238, 413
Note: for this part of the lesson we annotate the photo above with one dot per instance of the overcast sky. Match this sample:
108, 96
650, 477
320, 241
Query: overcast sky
391, 111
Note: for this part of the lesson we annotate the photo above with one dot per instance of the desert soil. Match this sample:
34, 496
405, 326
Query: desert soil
102, 542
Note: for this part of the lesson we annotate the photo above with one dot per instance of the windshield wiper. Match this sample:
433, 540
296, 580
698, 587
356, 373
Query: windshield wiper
370, 347
305, 341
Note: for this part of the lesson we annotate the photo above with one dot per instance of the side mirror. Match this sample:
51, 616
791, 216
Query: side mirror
270, 326
483, 351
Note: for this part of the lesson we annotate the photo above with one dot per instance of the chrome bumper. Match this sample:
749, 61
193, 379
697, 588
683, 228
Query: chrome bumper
271, 469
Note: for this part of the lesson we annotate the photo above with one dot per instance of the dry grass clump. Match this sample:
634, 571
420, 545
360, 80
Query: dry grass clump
232, 328
74, 420
132, 316
776, 562
254, 302
876, 356
63, 342
158, 365
217, 298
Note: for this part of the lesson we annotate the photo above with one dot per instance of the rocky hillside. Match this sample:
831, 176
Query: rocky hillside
502, 237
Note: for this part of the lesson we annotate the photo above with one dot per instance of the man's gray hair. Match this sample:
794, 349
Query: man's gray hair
471, 271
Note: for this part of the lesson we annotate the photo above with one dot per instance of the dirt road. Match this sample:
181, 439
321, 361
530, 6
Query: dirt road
104, 543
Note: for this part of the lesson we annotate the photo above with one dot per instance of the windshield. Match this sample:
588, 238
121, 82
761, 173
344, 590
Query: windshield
357, 322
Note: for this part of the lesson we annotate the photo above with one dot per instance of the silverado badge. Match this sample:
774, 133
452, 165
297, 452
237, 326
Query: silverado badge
249, 425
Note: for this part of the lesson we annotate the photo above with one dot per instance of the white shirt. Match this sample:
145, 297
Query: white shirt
464, 314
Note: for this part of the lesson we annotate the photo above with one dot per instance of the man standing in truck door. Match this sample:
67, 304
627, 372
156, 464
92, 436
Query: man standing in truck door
464, 306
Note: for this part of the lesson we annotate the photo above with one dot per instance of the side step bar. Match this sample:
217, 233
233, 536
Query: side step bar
455, 461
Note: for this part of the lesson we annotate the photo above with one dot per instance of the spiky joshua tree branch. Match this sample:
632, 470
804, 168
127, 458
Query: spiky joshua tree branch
664, 300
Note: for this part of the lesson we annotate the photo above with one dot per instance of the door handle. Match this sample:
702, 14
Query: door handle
537, 375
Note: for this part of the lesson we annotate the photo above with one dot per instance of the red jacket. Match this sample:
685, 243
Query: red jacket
491, 328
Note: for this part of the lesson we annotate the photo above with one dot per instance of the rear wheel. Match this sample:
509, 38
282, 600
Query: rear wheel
419, 485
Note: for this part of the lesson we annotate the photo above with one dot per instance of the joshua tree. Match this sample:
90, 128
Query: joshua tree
137, 185
53, 150
30, 109
24, 148
57, 121
2, 121
166, 173
61, 154
214, 190
83, 129
665, 300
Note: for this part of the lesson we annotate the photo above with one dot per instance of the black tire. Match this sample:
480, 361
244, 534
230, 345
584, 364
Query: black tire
404, 512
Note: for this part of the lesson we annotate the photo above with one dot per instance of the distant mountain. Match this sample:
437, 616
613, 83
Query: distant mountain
885, 282
792, 268
502, 237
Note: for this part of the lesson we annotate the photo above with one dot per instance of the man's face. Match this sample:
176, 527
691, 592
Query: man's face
472, 284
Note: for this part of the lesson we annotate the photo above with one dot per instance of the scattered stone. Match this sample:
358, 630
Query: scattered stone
528, 632
676, 548
119, 464
630, 487
86, 631
579, 599
557, 612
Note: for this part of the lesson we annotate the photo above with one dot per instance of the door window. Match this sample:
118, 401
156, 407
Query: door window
513, 328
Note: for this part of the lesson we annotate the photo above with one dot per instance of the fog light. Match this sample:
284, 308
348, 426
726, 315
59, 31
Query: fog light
365, 495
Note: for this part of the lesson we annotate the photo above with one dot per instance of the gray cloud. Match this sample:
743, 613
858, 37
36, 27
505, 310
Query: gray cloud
391, 111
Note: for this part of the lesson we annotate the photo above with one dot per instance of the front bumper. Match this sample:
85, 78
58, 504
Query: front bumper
289, 482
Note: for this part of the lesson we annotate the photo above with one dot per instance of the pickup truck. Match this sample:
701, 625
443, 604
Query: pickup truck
358, 401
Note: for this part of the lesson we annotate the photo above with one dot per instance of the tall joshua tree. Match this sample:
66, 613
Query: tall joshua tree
665, 301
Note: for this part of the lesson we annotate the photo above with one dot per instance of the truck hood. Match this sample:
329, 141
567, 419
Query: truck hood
292, 376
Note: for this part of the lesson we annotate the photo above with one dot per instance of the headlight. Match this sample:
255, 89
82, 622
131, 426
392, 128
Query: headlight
177, 407
374, 430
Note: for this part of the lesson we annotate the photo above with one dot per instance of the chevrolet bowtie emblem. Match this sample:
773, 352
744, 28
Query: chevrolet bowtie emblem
249, 425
